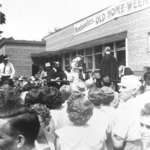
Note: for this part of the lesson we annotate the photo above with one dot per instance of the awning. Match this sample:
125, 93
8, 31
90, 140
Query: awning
73, 46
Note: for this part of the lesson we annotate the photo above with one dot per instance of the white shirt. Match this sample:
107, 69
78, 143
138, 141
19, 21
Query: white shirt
60, 117
80, 138
102, 121
8, 71
127, 122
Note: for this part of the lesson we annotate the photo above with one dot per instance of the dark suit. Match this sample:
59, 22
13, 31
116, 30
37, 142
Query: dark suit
109, 67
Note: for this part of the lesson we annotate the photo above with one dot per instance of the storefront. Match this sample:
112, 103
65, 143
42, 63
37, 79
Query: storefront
125, 27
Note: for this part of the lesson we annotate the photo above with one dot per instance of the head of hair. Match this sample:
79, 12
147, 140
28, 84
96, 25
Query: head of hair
147, 77
101, 96
65, 91
128, 71
21, 119
79, 109
43, 114
27, 124
68, 68
106, 81
146, 110
34, 96
52, 98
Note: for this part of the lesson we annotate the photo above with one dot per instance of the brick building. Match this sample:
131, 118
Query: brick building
124, 26
19, 52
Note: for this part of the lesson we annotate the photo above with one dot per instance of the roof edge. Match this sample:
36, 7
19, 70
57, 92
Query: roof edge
11, 41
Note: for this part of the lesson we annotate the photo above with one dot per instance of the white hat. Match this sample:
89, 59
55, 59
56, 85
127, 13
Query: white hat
47, 64
130, 82
107, 50
6, 57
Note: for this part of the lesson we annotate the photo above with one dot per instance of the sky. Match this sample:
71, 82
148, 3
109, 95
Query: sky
34, 19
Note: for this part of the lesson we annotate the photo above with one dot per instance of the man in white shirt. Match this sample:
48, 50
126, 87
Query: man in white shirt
7, 70
127, 128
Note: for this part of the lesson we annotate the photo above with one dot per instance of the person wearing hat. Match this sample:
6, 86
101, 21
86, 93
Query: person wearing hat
55, 75
49, 73
109, 67
7, 70
126, 129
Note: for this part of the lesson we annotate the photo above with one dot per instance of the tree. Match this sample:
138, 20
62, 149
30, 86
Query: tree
2, 18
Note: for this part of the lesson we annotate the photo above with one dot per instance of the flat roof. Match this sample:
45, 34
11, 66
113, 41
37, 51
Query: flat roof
11, 41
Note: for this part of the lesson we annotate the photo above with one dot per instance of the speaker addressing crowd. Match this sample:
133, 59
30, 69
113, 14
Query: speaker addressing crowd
109, 67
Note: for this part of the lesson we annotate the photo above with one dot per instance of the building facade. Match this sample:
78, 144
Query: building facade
19, 52
125, 27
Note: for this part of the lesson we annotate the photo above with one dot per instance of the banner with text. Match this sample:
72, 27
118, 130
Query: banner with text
121, 9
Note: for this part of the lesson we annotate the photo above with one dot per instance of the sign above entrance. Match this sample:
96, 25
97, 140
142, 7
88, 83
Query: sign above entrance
120, 9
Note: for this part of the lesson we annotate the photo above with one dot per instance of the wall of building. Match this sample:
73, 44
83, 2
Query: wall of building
136, 24
139, 26
20, 56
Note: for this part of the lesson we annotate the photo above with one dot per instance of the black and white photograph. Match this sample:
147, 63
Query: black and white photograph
74, 75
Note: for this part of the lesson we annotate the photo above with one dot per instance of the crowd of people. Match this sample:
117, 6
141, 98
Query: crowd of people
55, 110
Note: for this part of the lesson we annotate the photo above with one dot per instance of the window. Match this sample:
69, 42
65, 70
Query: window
88, 62
66, 57
88, 51
121, 57
88, 58
120, 44
98, 59
98, 49
80, 52
73, 54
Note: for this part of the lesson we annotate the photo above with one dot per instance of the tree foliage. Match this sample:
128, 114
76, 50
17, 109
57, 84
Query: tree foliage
2, 18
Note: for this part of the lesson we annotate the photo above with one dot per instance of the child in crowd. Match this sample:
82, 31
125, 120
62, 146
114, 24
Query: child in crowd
79, 135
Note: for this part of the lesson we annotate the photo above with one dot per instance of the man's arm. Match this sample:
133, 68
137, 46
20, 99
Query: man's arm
12, 70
